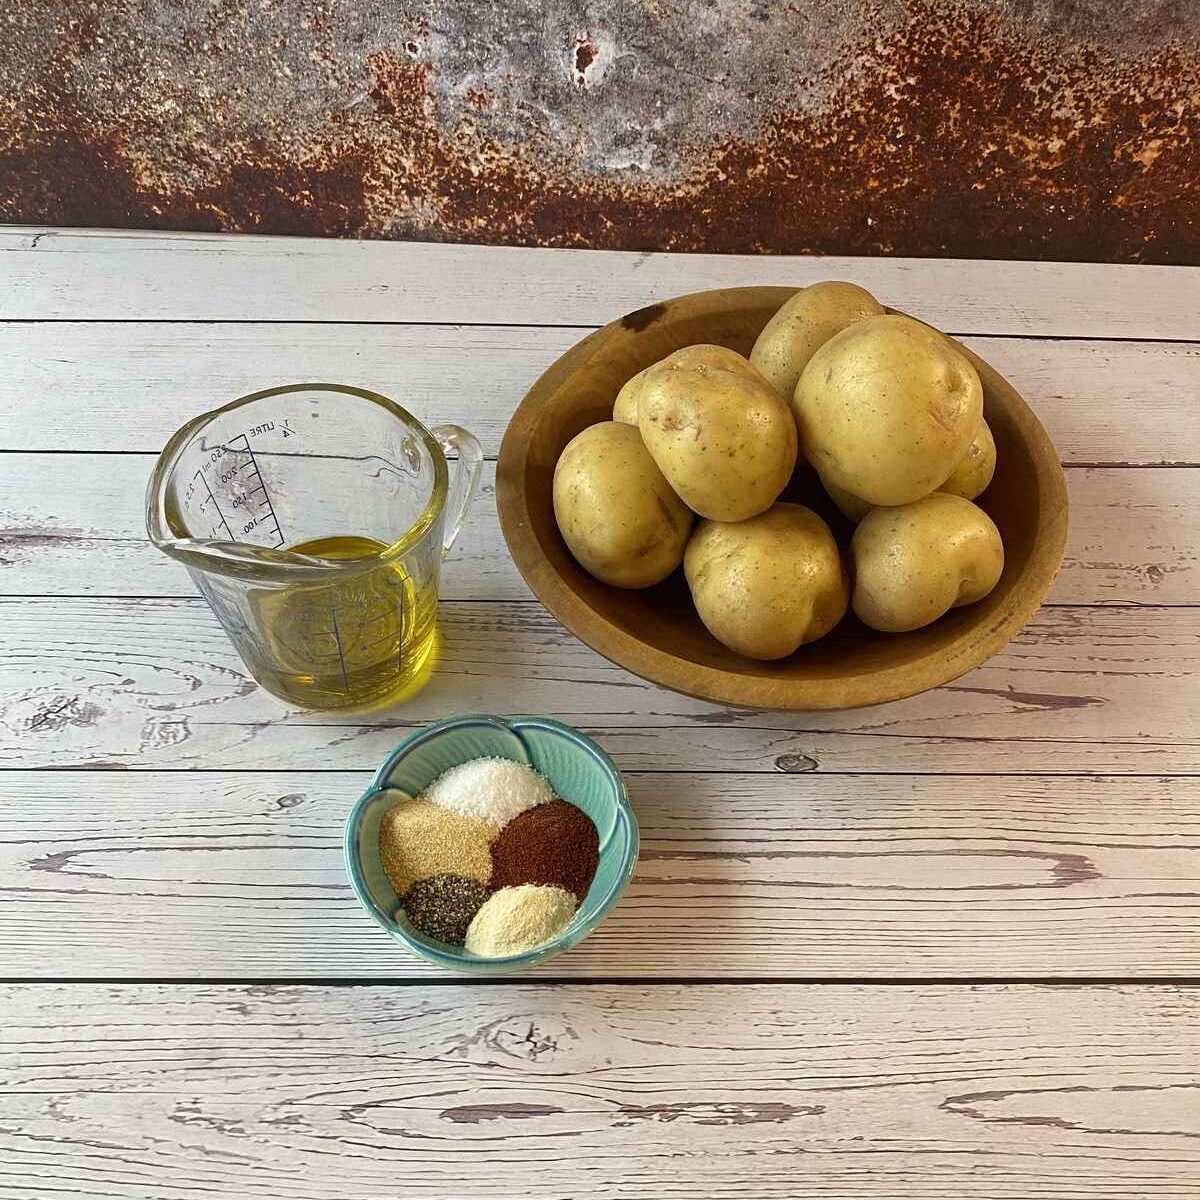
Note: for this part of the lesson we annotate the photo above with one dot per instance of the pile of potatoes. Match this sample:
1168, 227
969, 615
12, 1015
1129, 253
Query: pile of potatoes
886, 410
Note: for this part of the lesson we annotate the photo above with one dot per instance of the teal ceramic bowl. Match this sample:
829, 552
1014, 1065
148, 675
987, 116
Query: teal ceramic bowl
576, 767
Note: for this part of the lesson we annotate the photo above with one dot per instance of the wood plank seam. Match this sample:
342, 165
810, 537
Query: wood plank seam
582, 329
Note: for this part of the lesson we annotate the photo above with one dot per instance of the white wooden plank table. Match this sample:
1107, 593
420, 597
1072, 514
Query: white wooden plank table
945, 947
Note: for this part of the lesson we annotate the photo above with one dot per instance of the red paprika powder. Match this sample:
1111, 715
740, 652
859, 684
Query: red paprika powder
554, 843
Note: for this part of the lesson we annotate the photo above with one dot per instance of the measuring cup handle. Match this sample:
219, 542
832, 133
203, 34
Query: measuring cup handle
464, 485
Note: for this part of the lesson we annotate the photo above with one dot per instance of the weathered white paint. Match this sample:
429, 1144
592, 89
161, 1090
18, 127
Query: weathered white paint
156, 683
78, 274
775, 845
679, 1093
226, 874
122, 386
1134, 536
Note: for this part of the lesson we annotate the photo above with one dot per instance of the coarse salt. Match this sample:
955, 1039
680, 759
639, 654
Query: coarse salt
489, 789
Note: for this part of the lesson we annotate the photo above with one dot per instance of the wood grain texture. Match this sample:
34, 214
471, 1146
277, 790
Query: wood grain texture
1134, 537
761, 857
79, 274
89, 537
224, 875
129, 386
156, 683
998, 1093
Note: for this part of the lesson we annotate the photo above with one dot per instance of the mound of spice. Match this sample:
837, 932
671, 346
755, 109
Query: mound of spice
443, 906
494, 790
418, 839
487, 857
517, 919
555, 844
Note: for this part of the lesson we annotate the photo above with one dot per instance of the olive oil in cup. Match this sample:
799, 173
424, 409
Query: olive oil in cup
351, 642
314, 518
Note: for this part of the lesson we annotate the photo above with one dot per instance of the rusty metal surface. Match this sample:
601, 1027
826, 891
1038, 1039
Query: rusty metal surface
981, 128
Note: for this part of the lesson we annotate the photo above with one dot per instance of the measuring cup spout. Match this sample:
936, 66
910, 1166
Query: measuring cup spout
236, 558
169, 527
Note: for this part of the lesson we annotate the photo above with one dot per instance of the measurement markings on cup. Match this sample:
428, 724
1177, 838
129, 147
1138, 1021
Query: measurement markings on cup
245, 511
250, 495
220, 521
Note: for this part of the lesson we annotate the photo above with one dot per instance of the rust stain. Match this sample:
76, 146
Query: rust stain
944, 127
586, 54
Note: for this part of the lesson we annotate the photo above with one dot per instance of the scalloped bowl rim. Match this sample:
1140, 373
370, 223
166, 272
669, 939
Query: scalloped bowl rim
575, 931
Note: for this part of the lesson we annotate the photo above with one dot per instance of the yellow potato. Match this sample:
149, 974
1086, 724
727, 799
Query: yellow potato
725, 439
887, 408
852, 507
975, 469
917, 561
616, 512
803, 325
767, 585
969, 479
625, 409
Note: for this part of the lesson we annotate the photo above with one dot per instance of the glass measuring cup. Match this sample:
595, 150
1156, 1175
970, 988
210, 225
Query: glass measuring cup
314, 518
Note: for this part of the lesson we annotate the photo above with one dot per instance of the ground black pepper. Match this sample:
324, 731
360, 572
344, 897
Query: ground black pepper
442, 906
554, 843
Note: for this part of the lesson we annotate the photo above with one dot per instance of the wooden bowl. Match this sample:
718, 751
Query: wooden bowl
656, 633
